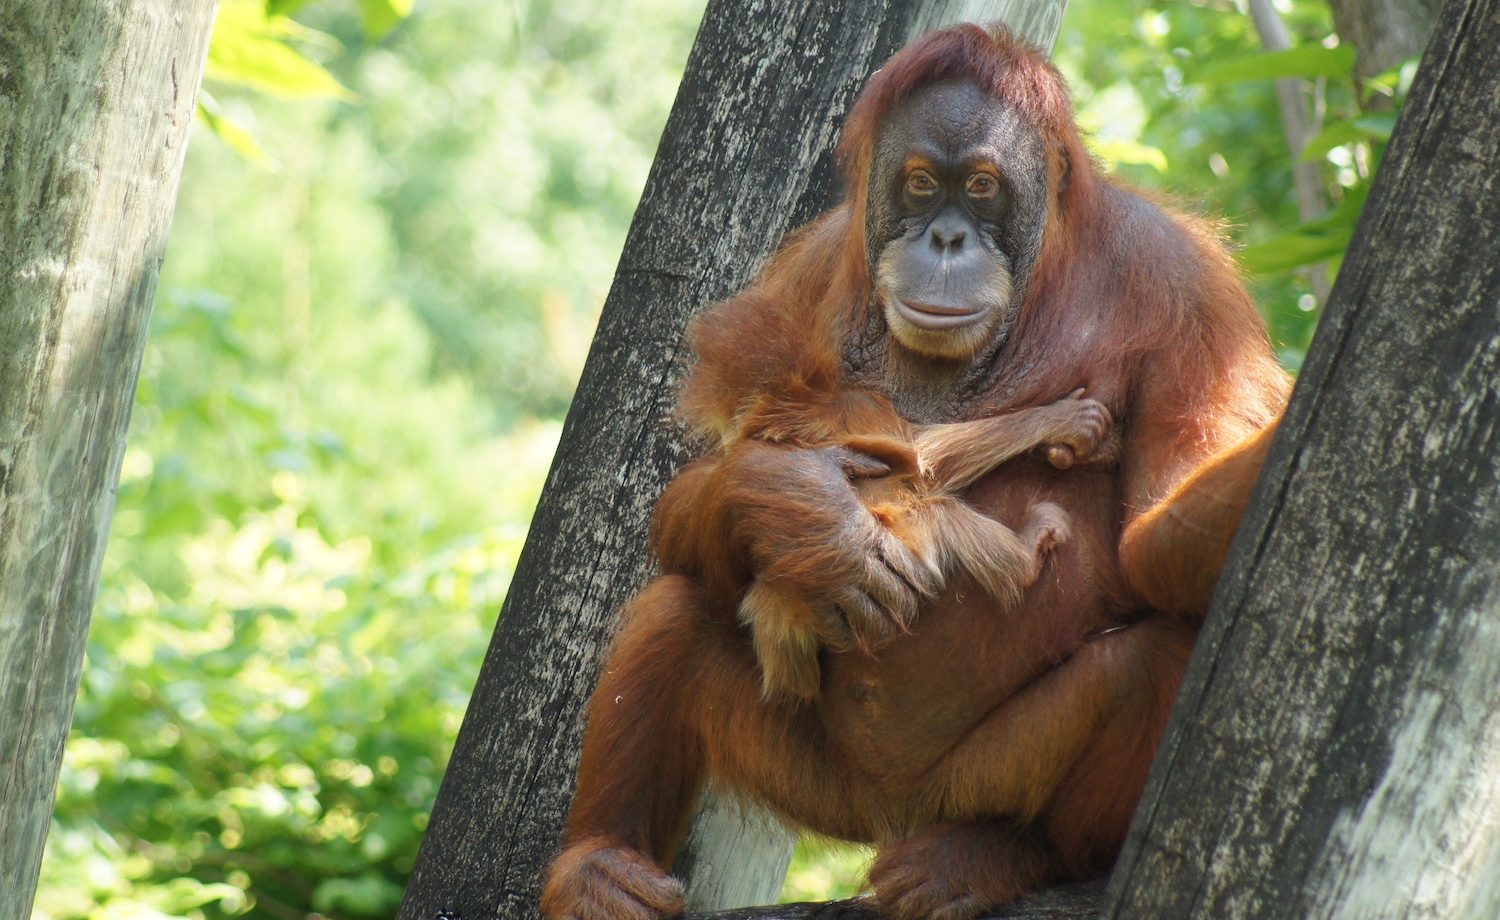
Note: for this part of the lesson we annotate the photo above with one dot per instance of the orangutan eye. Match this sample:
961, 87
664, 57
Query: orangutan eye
920, 184
982, 186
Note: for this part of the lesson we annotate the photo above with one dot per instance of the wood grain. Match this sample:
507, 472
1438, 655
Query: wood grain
96, 99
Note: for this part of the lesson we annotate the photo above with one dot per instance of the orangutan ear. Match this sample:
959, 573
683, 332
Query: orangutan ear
1064, 170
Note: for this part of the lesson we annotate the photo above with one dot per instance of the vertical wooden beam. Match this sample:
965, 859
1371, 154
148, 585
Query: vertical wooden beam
1334, 750
96, 99
745, 157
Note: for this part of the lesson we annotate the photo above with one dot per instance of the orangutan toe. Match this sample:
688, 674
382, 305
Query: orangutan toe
597, 880
957, 870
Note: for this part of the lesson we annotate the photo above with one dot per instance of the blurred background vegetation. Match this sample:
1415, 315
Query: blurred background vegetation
395, 231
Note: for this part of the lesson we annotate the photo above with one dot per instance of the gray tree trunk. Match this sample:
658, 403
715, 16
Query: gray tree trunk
745, 157
1333, 752
1384, 32
96, 98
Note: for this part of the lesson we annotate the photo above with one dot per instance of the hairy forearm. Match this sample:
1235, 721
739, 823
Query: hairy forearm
1172, 553
692, 528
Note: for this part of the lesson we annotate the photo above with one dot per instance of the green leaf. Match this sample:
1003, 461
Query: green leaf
1339, 133
1311, 241
289, 29
1393, 83
381, 16
283, 7
1293, 250
235, 135
1307, 61
367, 894
181, 895
1115, 151
1342, 218
1326, 237
249, 49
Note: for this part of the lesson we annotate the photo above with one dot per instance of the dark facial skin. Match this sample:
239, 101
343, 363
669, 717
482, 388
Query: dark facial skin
958, 201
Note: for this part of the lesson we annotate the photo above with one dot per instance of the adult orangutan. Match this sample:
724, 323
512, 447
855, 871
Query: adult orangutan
979, 265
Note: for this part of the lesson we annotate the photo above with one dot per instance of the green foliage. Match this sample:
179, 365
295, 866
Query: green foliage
251, 49
1346, 132
381, 16
1310, 241
254, 48
1198, 89
546, 157
231, 132
318, 514
311, 539
822, 870
520, 167
1308, 62
1354, 144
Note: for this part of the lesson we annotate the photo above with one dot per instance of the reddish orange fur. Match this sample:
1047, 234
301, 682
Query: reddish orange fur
915, 500
985, 754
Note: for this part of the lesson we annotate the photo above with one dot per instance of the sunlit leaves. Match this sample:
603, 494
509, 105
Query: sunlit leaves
257, 46
1293, 250
825, 869
239, 138
1112, 120
1307, 61
365, 895
251, 49
522, 134
380, 16
1309, 242
1117, 151
1393, 83
312, 539
1348, 131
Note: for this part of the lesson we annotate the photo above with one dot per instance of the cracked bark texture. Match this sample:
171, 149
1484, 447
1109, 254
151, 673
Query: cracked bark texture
1333, 751
745, 157
96, 99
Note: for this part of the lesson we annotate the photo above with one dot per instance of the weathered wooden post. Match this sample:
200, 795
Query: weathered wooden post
744, 158
96, 99
1335, 751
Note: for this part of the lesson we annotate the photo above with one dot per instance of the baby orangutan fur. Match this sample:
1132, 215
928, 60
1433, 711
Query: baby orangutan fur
911, 478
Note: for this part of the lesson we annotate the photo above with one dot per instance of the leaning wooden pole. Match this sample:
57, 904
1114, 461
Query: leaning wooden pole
96, 99
745, 157
1334, 750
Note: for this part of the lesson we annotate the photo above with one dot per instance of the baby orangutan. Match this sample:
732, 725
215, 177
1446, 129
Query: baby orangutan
910, 478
